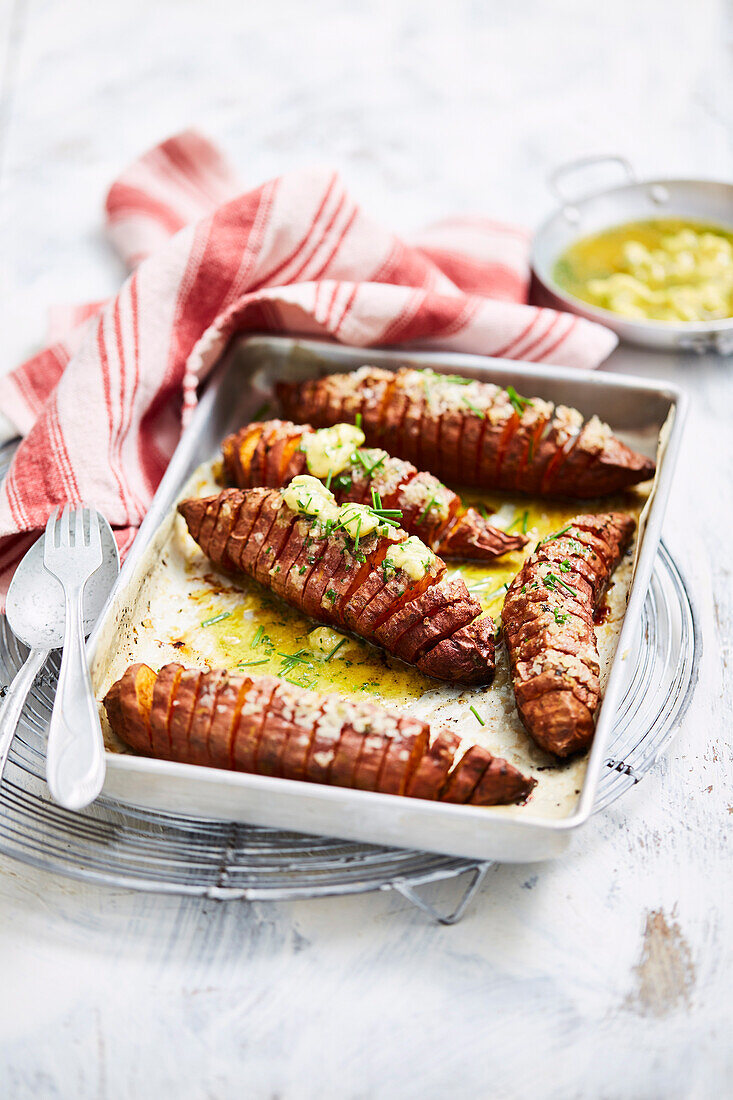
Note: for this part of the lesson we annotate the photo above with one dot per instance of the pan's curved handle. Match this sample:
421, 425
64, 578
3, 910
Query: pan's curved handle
560, 175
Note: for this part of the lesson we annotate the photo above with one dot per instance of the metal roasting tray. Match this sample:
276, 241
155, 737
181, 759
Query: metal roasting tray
636, 408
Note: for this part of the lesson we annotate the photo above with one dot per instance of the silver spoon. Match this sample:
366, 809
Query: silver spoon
36, 614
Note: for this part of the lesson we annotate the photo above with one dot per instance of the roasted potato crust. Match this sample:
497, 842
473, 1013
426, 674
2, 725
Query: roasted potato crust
548, 627
267, 727
322, 576
429, 509
474, 432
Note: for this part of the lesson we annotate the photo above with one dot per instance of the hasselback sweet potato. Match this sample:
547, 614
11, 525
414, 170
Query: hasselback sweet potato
267, 727
425, 620
472, 433
273, 453
548, 628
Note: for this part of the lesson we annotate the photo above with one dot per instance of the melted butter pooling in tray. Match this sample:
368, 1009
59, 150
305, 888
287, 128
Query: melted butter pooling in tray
237, 624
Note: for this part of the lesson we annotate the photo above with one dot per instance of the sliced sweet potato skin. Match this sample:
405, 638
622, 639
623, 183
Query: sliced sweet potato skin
130, 701
429, 509
521, 444
226, 714
431, 774
501, 785
465, 775
250, 725
203, 717
183, 704
473, 536
465, 656
160, 712
322, 576
267, 727
549, 632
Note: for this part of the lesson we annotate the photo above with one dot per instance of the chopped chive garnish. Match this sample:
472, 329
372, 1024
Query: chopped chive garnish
336, 648
522, 521
497, 592
553, 536
358, 456
519, 403
551, 581
291, 660
477, 716
456, 379
489, 595
426, 509
257, 638
358, 420
474, 409
328, 479
482, 510
216, 618
248, 664
262, 411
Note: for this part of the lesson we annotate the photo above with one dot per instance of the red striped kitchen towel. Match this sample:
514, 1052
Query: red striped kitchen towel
101, 407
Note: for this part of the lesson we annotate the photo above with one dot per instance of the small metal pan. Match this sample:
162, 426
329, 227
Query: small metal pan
633, 200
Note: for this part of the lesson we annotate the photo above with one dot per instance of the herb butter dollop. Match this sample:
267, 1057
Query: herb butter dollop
411, 556
309, 497
329, 450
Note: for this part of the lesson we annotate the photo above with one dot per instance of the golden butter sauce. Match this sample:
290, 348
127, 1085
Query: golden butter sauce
241, 626
664, 269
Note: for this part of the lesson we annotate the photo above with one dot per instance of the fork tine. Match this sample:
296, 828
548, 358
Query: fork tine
51, 527
65, 526
95, 535
78, 515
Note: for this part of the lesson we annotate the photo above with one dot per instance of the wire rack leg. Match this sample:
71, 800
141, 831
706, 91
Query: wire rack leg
408, 892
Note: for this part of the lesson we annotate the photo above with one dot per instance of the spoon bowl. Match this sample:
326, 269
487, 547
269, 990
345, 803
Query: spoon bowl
35, 603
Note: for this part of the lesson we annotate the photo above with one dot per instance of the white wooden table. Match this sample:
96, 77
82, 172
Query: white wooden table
606, 974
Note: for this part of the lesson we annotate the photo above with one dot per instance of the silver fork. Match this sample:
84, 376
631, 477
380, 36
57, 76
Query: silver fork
75, 755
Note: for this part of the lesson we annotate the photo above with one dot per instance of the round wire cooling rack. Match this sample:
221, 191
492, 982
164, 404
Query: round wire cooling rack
121, 845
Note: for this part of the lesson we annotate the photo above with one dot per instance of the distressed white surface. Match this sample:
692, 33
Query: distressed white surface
605, 974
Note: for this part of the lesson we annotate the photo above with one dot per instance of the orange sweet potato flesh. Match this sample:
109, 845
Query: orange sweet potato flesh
325, 577
129, 703
451, 530
549, 631
268, 727
500, 440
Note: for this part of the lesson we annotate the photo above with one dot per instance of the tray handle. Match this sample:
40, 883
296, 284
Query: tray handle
557, 179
